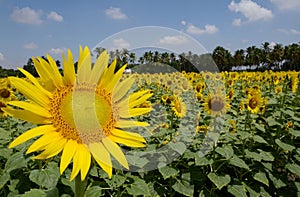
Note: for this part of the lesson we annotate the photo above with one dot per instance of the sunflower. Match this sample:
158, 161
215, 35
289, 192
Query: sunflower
216, 104
179, 107
254, 102
82, 115
2, 106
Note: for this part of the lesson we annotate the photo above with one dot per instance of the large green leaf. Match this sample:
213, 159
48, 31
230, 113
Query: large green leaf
48, 177
266, 156
219, 181
183, 188
236, 161
237, 190
294, 168
226, 151
138, 187
261, 177
4, 177
278, 183
284, 146
116, 181
35, 193
202, 161
254, 155
94, 191
168, 172
16, 161
259, 139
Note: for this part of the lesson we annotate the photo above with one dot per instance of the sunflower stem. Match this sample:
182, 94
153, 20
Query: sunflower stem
80, 186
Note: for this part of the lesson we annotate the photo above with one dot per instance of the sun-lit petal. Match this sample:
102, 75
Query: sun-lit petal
34, 132
67, 155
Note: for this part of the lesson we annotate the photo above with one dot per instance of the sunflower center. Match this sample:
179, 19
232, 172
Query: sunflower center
253, 103
216, 105
4, 93
84, 114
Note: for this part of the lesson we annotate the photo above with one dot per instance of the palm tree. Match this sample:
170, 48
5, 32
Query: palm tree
222, 58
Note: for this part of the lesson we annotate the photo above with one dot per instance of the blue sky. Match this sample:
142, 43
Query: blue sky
35, 28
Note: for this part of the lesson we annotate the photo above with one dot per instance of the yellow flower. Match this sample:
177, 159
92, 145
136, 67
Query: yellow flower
216, 104
179, 107
254, 103
83, 116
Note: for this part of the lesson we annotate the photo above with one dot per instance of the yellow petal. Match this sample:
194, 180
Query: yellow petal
36, 109
84, 69
31, 134
35, 82
132, 97
134, 112
102, 157
43, 141
115, 79
128, 135
67, 155
54, 70
116, 151
131, 123
52, 149
108, 74
27, 116
76, 162
69, 70
30, 91
122, 88
127, 142
44, 73
85, 165
99, 67
139, 101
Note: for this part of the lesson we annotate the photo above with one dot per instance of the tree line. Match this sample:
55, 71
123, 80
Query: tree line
266, 57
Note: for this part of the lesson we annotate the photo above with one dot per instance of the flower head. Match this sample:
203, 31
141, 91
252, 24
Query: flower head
82, 115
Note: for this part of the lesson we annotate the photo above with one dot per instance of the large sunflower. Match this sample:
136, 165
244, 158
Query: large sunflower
216, 104
82, 115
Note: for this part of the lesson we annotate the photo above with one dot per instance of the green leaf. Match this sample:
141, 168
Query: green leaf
237, 190
284, 146
94, 191
278, 183
295, 133
263, 192
178, 147
271, 121
115, 181
16, 161
35, 193
52, 192
260, 127
236, 161
261, 177
168, 172
138, 187
266, 156
252, 193
254, 155
48, 177
294, 168
259, 139
4, 177
219, 181
202, 161
226, 151
184, 189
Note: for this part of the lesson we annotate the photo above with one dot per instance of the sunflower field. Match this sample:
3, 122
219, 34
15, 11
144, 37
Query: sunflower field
207, 134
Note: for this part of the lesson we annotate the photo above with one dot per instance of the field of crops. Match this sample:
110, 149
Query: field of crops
209, 134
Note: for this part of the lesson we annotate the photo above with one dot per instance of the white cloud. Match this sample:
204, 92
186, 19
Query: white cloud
54, 16
1, 57
286, 4
120, 43
183, 22
115, 13
30, 45
27, 15
208, 29
289, 31
251, 10
57, 51
236, 22
173, 40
